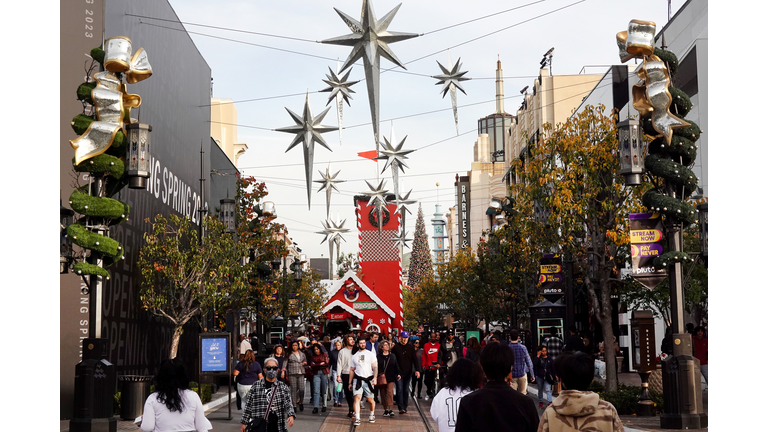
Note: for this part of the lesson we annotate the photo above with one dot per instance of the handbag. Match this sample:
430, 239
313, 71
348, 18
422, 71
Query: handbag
260, 425
381, 380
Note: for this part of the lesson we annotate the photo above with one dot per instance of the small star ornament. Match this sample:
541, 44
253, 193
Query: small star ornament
401, 239
451, 80
377, 199
329, 184
340, 91
308, 131
395, 157
370, 39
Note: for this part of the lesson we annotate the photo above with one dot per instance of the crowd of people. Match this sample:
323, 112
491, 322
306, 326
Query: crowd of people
474, 385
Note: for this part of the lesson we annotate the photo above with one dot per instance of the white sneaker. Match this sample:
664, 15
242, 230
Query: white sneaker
372, 419
357, 421
426, 398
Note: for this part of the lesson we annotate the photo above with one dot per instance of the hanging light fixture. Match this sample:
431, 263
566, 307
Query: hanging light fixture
631, 152
65, 254
137, 154
268, 209
227, 214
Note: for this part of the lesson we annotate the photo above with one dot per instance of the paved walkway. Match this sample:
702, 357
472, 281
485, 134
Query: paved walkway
336, 420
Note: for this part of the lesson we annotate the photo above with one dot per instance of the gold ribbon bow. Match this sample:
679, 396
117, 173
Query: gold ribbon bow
652, 94
111, 98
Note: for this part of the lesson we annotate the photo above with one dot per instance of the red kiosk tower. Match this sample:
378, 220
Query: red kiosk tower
373, 297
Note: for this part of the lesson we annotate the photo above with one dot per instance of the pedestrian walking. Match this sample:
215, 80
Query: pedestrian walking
333, 356
407, 360
573, 342
496, 407
342, 371
246, 373
553, 343
463, 378
430, 363
544, 371
363, 369
278, 353
390, 371
701, 352
522, 365
577, 408
472, 350
297, 361
173, 406
319, 366
269, 400
417, 377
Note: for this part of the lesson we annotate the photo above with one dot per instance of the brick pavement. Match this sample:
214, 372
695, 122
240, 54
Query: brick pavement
337, 420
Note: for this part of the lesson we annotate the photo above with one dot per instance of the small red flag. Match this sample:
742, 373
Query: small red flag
369, 154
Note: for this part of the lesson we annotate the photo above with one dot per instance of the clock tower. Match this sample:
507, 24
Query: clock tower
439, 237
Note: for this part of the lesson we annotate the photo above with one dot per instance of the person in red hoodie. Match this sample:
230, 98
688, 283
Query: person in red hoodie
430, 363
701, 351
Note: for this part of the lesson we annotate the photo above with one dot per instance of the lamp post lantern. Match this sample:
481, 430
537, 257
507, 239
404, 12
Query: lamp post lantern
631, 152
137, 154
228, 214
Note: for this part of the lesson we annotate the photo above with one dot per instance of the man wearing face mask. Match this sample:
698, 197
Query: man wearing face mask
269, 393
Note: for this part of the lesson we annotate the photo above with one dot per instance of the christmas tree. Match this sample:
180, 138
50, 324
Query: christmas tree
421, 257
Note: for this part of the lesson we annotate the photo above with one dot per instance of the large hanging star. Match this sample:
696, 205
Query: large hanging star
338, 229
329, 184
339, 86
451, 80
369, 40
308, 130
401, 239
395, 157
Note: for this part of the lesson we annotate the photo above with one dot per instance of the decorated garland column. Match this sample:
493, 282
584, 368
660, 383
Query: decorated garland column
671, 153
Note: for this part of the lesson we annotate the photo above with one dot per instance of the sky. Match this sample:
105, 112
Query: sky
582, 34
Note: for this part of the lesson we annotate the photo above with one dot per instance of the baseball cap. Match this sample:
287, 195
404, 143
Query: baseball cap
404, 334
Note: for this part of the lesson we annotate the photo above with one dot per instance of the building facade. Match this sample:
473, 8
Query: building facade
224, 128
439, 237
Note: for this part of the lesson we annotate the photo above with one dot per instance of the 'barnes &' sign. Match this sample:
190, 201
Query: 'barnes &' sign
463, 211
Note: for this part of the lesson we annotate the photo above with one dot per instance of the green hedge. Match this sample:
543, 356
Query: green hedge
625, 399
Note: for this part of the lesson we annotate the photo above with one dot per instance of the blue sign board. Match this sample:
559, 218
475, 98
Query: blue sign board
214, 354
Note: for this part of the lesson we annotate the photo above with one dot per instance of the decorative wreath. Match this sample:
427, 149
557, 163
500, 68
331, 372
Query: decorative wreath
372, 217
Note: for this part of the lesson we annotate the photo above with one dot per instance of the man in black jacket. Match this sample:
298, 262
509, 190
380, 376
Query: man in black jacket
496, 407
573, 342
405, 353
451, 350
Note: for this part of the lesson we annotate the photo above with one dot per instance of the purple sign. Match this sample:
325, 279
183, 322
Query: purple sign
646, 233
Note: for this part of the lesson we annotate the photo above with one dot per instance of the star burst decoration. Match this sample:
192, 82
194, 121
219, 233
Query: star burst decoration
329, 184
395, 157
451, 80
370, 41
401, 239
308, 130
401, 202
339, 87
377, 199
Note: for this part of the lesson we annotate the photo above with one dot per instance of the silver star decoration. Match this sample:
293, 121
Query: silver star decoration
401, 203
340, 91
451, 80
395, 157
333, 234
377, 199
308, 130
369, 40
339, 87
401, 239
329, 184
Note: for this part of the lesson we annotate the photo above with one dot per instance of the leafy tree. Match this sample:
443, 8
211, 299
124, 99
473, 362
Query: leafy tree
421, 258
310, 298
424, 304
346, 263
180, 275
571, 191
258, 241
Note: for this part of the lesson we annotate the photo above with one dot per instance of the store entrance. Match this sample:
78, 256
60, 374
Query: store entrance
334, 327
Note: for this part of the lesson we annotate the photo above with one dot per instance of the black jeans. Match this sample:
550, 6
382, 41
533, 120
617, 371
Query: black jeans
415, 381
429, 380
347, 392
402, 386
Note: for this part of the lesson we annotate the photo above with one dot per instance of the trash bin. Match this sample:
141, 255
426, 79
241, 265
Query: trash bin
133, 393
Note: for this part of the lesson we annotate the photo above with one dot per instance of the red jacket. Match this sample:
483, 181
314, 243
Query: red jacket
701, 349
430, 355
